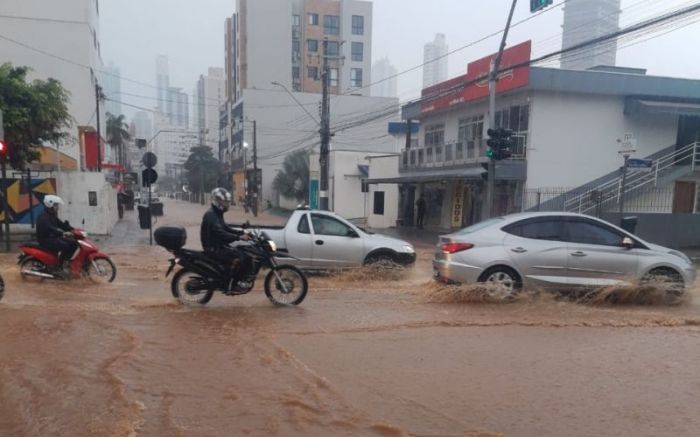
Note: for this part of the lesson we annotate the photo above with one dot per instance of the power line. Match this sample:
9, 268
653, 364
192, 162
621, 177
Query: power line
50, 20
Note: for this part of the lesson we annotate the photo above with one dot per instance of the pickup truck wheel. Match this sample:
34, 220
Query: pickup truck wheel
382, 260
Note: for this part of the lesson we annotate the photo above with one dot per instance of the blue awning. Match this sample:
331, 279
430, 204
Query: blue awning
364, 170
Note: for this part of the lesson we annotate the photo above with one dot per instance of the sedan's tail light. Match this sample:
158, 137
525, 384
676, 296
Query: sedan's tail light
455, 247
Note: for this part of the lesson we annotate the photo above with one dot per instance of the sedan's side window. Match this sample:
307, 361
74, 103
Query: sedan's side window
551, 230
590, 233
303, 227
324, 225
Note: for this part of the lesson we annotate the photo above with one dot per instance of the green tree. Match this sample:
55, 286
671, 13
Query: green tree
202, 167
35, 113
293, 181
117, 135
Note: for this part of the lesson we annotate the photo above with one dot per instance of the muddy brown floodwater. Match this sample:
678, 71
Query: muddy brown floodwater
368, 353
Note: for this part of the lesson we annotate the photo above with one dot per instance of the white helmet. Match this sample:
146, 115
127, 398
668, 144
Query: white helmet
221, 199
51, 201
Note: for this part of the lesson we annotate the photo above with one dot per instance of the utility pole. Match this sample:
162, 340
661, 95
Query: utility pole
255, 169
493, 81
5, 204
325, 129
624, 185
98, 97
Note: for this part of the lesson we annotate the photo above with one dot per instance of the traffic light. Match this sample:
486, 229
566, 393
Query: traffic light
500, 143
538, 5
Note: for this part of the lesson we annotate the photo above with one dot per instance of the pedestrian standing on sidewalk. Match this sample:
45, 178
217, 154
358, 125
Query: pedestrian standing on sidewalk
420, 205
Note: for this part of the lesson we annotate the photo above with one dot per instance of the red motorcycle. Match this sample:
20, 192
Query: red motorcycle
36, 262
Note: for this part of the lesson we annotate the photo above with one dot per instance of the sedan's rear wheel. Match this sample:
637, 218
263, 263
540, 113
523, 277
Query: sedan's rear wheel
503, 278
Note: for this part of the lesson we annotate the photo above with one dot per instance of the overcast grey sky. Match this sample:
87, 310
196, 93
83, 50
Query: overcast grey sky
191, 33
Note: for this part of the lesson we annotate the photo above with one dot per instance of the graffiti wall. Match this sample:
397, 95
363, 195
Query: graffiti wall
25, 198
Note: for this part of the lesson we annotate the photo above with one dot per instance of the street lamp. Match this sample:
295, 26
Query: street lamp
246, 146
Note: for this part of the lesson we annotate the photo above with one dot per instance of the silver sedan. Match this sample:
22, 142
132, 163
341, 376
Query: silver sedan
555, 250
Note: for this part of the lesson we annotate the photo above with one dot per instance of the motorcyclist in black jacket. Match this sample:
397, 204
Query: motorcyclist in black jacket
54, 234
216, 235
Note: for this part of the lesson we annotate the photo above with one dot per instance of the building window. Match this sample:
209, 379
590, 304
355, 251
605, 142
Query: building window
434, 135
421, 156
312, 73
296, 49
332, 48
448, 152
516, 118
471, 133
334, 77
438, 153
365, 187
331, 24
358, 25
296, 73
379, 202
296, 20
313, 19
358, 52
429, 155
356, 77
312, 45
459, 151
413, 157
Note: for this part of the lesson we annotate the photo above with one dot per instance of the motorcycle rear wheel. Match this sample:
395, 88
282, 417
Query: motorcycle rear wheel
186, 285
286, 285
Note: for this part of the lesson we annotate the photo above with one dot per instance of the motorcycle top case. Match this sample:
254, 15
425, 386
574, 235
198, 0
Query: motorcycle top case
171, 237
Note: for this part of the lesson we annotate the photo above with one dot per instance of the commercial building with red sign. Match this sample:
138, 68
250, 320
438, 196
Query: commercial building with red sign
566, 125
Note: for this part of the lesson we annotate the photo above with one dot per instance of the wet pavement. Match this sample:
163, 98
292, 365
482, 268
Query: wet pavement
367, 353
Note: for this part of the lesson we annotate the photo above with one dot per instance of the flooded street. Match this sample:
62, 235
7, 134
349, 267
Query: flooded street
376, 355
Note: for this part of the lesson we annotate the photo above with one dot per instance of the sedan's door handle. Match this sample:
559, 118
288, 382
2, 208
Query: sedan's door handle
579, 254
518, 250
319, 242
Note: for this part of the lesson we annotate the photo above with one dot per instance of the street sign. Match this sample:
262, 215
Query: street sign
628, 144
538, 5
149, 177
642, 165
149, 159
141, 143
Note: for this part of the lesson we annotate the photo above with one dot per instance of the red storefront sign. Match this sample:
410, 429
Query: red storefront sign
476, 80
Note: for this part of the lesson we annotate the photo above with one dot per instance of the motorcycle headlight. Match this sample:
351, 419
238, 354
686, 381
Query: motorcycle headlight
273, 245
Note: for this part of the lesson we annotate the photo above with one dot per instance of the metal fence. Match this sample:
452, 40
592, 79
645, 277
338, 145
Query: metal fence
649, 199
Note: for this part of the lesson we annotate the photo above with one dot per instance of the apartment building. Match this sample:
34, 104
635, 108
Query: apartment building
585, 20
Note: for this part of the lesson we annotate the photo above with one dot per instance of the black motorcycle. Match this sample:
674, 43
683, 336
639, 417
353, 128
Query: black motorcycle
2, 288
201, 275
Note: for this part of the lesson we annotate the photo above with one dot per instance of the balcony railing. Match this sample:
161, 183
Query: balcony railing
452, 155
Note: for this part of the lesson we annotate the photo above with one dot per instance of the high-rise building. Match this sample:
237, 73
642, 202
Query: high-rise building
162, 82
585, 20
283, 41
384, 78
112, 88
177, 107
209, 97
142, 125
435, 59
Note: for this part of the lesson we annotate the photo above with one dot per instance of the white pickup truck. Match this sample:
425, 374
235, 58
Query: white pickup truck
321, 240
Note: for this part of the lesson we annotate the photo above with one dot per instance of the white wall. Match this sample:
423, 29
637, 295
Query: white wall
76, 43
384, 167
269, 50
73, 188
573, 137
348, 9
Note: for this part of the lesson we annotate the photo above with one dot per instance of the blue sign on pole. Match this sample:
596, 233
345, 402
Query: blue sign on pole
313, 194
640, 164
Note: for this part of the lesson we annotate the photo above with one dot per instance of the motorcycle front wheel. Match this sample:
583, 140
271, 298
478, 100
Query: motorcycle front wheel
286, 285
2, 288
101, 270
190, 288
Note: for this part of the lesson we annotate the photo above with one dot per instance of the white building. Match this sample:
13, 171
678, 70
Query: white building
585, 20
172, 146
177, 108
78, 43
384, 78
112, 88
162, 82
436, 62
567, 125
282, 41
209, 97
142, 125
359, 124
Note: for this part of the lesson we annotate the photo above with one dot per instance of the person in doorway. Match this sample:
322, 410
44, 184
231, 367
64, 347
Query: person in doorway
54, 234
216, 235
420, 206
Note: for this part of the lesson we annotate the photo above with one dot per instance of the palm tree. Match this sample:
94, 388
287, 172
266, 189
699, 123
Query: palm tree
293, 181
202, 170
117, 135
